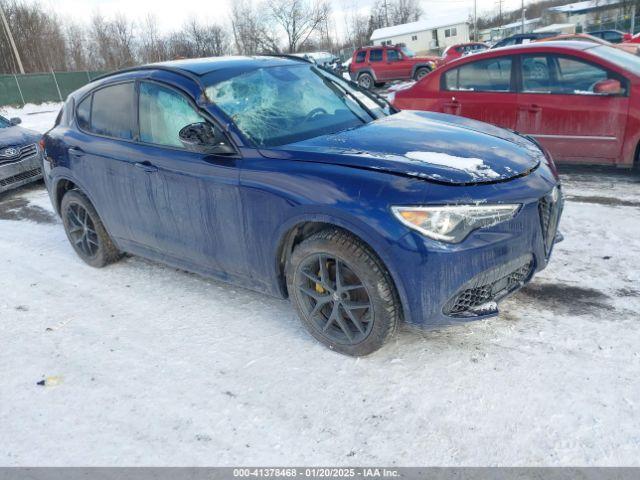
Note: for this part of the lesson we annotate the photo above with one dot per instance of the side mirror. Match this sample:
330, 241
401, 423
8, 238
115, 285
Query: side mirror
16, 121
608, 87
202, 137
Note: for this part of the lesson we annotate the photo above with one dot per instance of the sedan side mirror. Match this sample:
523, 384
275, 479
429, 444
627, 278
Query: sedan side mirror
608, 87
202, 137
16, 121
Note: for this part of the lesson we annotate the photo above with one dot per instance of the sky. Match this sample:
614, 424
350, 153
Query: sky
172, 15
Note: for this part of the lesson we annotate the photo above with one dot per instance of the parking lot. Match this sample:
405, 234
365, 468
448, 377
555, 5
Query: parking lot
151, 365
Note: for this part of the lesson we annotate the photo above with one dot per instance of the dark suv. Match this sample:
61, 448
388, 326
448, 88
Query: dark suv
373, 66
521, 38
274, 174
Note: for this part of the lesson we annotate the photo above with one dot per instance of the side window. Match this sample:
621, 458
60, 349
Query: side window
112, 112
361, 56
375, 55
536, 74
392, 55
83, 113
578, 77
163, 113
491, 75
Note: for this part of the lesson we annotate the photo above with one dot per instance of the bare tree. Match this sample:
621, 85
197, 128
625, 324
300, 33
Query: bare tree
76, 47
404, 11
299, 19
152, 47
252, 32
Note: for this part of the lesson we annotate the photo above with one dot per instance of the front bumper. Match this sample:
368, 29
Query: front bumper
16, 174
446, 284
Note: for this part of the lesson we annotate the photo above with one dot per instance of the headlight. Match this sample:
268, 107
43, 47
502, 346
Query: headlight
453, 223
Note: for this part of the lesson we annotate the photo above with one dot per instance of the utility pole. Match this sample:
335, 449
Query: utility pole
475, 20
500, 2
523, 17
386, 13
13, 43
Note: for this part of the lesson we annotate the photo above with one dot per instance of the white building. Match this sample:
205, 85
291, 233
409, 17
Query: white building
423, 36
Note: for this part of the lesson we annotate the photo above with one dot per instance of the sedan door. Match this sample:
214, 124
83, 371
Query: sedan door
558, 105
482, 90
197, 203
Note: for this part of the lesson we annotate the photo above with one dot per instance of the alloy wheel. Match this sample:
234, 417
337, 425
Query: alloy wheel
82, 230
334, 299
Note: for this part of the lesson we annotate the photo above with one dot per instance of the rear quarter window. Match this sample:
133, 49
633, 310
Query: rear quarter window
112, 111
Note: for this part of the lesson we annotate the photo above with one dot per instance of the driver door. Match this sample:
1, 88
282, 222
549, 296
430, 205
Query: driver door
558, 106
196, 198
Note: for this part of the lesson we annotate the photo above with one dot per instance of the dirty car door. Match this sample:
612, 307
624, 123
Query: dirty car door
196, 195
559, 107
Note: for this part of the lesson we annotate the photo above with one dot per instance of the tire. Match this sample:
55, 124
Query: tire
365, 80
85, 230
334, 312
421, 72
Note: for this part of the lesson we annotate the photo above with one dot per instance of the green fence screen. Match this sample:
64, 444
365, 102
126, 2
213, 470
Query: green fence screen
41, 87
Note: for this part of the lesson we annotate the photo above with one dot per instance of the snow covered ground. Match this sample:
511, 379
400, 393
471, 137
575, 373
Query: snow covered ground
154, 366
34, 117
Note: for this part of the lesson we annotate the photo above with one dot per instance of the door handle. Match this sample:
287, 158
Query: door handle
531, 109
146, 167
76, 151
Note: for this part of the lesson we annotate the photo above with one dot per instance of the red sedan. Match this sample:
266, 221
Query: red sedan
580, 100
461, 50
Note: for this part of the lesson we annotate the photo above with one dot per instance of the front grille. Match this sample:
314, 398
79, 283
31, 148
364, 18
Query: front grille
489, 287
20, 177
23, 152
550, 207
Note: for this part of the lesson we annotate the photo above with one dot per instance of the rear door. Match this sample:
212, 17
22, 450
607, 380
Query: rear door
378, 64
557, 105
105, 159
482, 90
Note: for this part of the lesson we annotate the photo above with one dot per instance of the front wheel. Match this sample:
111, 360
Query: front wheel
85, 230
342, 293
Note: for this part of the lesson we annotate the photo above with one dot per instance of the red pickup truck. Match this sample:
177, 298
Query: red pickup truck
373, 66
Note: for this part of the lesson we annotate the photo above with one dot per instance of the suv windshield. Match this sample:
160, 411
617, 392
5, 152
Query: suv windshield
279, 105
618, 57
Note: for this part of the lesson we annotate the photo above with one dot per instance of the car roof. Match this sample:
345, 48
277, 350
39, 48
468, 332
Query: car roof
556, 45
239, 64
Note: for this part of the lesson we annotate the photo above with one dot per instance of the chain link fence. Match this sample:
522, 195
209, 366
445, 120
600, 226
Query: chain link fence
42, 87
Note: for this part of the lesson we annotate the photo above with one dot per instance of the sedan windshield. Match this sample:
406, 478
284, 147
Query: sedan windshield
278, 105
4, 123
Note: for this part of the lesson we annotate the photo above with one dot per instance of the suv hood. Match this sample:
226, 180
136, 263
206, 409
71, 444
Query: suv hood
13, 136
437, 147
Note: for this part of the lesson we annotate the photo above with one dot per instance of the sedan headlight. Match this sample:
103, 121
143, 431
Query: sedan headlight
452, 224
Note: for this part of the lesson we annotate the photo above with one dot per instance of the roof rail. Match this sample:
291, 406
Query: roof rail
152, 66
285, 55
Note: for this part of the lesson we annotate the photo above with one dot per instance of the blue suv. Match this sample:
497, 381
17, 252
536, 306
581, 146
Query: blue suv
271, 173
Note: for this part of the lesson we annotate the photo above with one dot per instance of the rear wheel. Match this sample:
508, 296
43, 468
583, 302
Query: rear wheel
342, 293
85, 230
365, 80
421, 72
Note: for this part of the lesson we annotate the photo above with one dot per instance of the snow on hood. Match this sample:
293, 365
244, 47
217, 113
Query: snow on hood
473, 166
437, 147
